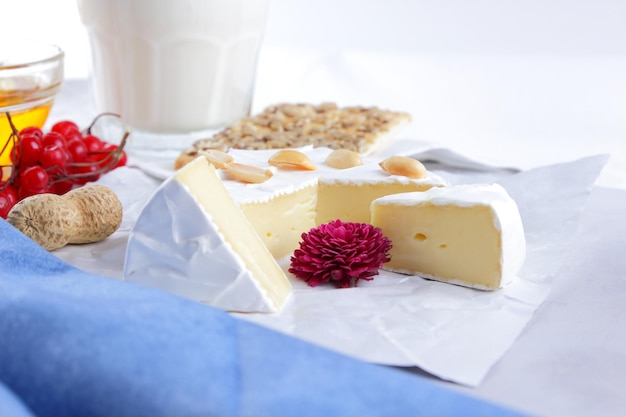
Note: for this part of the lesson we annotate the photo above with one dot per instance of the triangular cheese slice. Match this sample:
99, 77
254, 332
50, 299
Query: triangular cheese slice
469, 235
192, 239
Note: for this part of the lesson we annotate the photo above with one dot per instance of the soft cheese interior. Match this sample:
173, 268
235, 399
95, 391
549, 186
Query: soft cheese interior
470, 235
192, 239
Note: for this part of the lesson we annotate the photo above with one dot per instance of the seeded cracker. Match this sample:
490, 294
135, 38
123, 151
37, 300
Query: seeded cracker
360, 129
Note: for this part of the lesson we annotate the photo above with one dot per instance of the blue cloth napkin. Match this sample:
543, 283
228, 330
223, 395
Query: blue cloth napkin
10, 405
76, 344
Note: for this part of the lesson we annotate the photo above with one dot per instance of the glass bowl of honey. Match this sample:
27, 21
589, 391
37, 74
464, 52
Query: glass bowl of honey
31, 75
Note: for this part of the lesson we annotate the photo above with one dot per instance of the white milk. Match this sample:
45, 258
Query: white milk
174, 65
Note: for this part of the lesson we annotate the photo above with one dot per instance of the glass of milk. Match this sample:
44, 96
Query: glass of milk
174, 70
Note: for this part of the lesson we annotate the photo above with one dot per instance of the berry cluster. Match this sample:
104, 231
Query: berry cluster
54, 162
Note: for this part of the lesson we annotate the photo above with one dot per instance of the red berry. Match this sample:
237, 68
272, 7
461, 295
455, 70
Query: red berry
54, 158
121, 159
77, 149
20, 171
23, 193
54, 138
10, 192
65, 127
32, 129
61, 187
94, 144
92, 166
31, 150
73, 136
101, 159
110, 148
5, 205
34, 179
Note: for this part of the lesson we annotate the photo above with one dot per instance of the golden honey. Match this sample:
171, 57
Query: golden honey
33, 116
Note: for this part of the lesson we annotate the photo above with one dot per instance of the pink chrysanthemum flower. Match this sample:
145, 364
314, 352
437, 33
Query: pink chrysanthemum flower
341, 253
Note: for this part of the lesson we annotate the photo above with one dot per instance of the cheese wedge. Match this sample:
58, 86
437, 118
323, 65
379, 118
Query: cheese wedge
470, 235
193, 240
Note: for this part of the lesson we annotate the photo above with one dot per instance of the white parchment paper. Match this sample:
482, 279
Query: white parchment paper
452, 332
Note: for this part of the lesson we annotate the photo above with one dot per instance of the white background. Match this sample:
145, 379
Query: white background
522, 83
500, 27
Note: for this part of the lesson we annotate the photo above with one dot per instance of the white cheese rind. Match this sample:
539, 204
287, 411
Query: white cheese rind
176, 245
504, 214
287, 181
